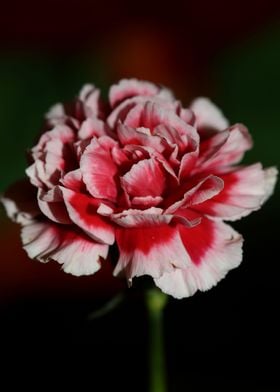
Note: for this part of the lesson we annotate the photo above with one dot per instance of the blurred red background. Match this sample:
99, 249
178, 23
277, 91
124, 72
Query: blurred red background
169, 42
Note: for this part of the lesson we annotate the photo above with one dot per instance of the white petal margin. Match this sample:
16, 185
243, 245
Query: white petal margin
270, 175
224, 254
208, 115
127, 88
77, 253
246, 189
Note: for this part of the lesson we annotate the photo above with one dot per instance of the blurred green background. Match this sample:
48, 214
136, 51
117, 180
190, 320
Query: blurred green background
228, 51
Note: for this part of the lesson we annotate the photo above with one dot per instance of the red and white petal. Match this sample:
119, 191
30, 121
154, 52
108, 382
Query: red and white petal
187, 115
167, 95
120, 112
56, 110
270, 175
209, 118
237, 144
123, 109
245, 190
224, 149
120, 157
58, 157
137, 153
105, 210
54, 210
146, 201
86, 90
90, 96
73, 180
179, 283
127, 88
60, 114
172, 136
188, 162
56, 115
39, 239
54, 141
145, 178
98, 169
20, 202
166, 165
150, 217
92, 127
82, 210
141, 218
78, 254
36, 173
149, 251
151, 114
139, 136
51, 155
210, 146
214, 249
60, 132
80, 146
206, 189
51, 195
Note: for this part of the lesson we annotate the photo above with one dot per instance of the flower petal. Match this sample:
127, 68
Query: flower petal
78, 254
209, 118
31, 173
59, 158
121, 111
92, 127
53, 155
187, 115
149, 251
198, 194
224, 149
152, 114
214, 249
245, 190
98, 168
150, 217
61, 132
127, 88
141, 218
145, 178
82, 210
137, 136
146, 201
56, 115
188, 162
73, 180
90, 97
270, 175
54, 210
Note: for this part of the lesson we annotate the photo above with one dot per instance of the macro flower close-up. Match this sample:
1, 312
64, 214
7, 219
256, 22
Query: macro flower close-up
142, 173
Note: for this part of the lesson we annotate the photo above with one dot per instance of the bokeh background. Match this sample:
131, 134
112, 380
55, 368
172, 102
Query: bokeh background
226, 339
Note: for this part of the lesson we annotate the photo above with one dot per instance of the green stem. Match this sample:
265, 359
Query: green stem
156, 302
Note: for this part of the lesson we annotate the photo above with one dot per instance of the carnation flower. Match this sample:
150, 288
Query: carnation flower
144, 173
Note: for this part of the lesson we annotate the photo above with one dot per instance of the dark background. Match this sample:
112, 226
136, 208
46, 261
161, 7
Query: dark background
225, 339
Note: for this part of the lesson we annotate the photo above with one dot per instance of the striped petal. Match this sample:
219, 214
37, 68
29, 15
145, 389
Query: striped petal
78, 254
214, 248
